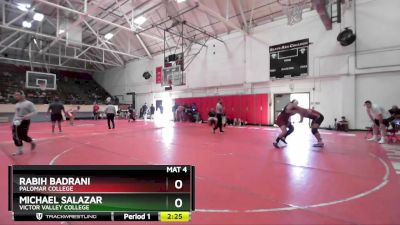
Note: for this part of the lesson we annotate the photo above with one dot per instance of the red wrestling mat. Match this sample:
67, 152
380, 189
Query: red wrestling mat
240, 177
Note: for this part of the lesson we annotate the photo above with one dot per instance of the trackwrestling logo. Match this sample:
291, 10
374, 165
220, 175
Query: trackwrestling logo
39, 216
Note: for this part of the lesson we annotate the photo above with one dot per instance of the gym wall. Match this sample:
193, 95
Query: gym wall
241, 66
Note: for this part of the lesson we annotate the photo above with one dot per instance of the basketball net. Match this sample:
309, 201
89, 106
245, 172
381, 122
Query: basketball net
294, 12
42, 86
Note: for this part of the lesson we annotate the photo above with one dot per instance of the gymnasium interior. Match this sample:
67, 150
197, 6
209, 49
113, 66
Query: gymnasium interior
201, 84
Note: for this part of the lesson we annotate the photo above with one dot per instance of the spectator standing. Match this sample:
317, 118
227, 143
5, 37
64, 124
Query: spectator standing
152, 111
96, 109
377, 114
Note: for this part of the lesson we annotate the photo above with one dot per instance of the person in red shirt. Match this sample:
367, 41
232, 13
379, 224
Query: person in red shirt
316, 120
96, 109
283, 121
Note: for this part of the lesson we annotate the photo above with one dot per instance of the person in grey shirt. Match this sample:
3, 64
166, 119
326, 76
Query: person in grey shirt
56, 108
110, 112
377, 114
22, 119
219, 109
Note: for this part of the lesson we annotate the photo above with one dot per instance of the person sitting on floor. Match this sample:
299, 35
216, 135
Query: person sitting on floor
235, 122
230, 121
212, 117
343, 125
394, 116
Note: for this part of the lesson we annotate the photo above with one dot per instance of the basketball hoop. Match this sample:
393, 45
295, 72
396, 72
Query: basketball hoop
39, 80
294, 12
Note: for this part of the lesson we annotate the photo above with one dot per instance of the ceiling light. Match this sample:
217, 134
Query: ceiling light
108, 36
180, 1
26, 24
139, 20
38, 17
23, 6
61, 31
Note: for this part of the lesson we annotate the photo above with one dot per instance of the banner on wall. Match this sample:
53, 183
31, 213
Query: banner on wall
158, 74
289, 60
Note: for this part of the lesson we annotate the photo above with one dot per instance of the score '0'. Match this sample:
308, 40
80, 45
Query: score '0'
178, 203
178, 184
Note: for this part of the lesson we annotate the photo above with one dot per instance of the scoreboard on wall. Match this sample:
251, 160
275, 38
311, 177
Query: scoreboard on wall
101, 193
289, 60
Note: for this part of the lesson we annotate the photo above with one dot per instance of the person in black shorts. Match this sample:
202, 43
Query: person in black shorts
55, 108
284, 123
377, 114
316, 120
132, 113
152, 111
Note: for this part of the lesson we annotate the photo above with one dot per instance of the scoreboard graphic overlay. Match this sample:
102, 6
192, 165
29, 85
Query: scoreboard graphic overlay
289, 60
101, 193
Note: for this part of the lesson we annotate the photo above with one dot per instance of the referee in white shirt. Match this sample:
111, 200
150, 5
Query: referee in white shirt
110, 112
219, 109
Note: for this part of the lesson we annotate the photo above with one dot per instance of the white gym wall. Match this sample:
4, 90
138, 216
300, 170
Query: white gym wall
241, 66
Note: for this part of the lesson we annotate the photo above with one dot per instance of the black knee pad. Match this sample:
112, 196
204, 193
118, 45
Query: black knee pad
314, 130
290, 130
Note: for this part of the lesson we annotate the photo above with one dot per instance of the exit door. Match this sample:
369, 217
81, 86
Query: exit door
280, 101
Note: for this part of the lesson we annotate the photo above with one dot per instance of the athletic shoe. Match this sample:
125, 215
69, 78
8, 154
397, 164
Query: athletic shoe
320, 144
283, 140
374, 138
33, 146
18, 151
382, 141
275, 145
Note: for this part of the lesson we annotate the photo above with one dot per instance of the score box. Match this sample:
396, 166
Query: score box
70, 190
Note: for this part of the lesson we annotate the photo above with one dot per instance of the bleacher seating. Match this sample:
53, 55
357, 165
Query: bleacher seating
72, 88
